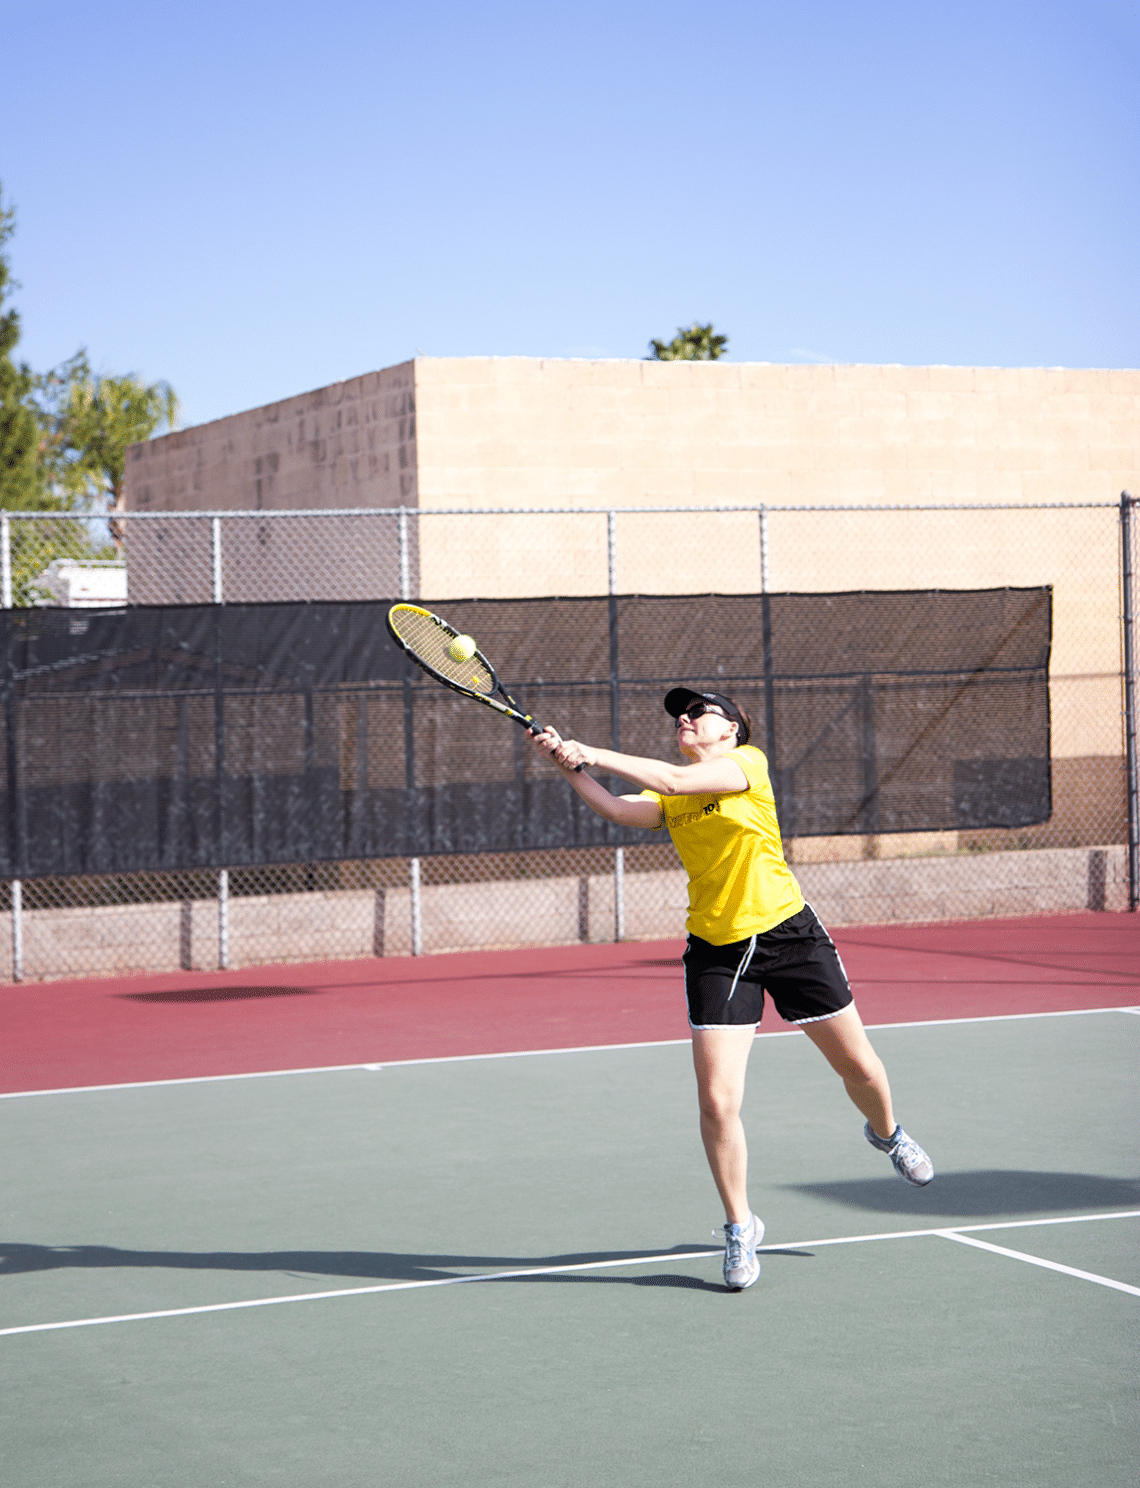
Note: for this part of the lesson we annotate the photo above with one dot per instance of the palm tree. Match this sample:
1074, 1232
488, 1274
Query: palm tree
697, 344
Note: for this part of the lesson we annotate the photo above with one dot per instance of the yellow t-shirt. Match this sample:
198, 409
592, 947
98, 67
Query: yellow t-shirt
739, 882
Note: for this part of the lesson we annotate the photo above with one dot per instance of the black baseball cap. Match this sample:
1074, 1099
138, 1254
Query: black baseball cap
677, 701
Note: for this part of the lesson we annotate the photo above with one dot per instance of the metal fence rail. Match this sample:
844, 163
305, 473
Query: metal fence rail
1087, 855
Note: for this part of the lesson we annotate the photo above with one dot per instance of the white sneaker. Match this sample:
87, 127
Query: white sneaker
911, 1162
741, 1268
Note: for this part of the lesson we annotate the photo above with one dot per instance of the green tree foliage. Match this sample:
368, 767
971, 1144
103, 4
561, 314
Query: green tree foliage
63, 442
88, 423
697, 344
22, 485
23, 482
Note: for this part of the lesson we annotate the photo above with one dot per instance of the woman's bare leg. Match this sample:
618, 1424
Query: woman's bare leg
843, 1042
720, 1058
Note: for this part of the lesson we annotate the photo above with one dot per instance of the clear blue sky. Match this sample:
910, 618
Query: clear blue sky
254, 199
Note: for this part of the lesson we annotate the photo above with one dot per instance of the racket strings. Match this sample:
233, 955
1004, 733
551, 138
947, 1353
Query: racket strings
428, 640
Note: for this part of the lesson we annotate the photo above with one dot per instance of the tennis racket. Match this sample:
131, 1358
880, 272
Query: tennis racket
425, 638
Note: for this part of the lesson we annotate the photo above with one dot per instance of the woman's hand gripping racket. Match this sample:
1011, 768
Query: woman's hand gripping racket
437, 649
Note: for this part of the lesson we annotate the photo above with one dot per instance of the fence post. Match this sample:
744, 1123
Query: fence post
765, 577
223, 918
17, 930
615, 700
216, 557
6, 560
417, 908
405, 554
619, 893
1127, 502
769, 678
17, 884
415, 898
223, 873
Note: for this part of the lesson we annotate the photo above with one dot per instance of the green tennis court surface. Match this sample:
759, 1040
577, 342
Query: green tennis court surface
619, 1359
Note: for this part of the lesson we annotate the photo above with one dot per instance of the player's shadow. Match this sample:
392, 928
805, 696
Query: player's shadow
362, 1265
658, 1278
983, 1193
366, 1265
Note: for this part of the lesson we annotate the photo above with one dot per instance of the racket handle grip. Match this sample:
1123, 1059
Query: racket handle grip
534, 727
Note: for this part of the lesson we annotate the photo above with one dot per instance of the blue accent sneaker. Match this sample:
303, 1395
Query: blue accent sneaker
911, 1163
741, 1268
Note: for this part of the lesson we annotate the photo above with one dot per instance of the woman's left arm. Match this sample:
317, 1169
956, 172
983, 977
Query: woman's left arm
715, 777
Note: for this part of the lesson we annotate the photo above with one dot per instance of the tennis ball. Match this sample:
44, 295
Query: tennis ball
462, 648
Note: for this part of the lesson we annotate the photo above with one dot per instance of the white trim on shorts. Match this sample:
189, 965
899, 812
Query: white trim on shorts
740, 970
833, 946
703, 1027
791, 1022
821, 1017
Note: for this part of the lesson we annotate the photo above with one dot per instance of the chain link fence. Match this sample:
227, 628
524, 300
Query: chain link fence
1085, 856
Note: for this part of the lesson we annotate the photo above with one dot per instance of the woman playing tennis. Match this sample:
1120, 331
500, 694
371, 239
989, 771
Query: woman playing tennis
749, 931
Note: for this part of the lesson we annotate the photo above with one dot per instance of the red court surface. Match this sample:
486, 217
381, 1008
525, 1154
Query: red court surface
185, 1024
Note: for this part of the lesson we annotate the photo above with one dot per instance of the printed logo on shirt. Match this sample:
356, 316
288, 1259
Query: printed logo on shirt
687, 818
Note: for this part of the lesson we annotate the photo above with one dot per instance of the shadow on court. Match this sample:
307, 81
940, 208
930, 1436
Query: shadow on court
661, 1279
360, 1265
953, 1196
366, 1264
217, 994
982, 1194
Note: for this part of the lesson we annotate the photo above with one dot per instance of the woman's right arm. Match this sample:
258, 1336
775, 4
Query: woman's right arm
627, 811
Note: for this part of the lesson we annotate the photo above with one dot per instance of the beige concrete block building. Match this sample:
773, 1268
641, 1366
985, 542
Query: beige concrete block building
520, 431
351, 444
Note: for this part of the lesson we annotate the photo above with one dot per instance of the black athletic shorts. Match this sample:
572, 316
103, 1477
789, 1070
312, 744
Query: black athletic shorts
796, 961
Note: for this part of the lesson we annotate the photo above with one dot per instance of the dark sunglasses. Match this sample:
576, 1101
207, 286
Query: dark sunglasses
698, 710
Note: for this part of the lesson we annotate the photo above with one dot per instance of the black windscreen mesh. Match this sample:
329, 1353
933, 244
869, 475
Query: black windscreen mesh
174, 737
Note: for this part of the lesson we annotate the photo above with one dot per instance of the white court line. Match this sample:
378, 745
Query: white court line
333, 1069
1005, 1224
1005, 1017
389, 1286
651, 1260
1019, 1255
336, 1069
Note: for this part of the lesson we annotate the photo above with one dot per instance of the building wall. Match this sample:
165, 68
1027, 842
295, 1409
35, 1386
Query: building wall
350, 444
522, 431
519, 431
